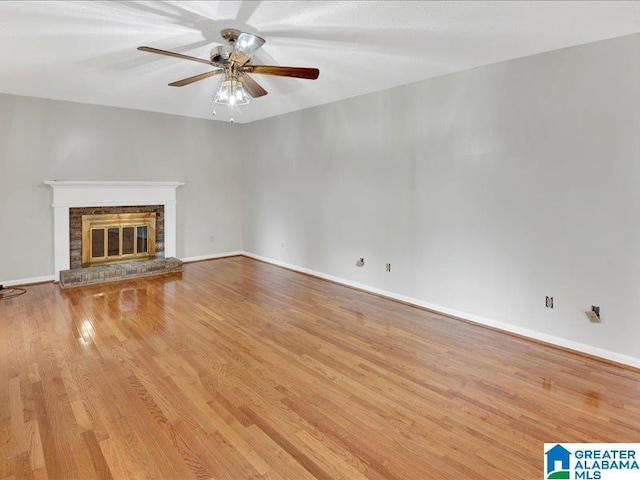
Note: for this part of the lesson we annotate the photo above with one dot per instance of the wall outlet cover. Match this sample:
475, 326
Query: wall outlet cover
593, 318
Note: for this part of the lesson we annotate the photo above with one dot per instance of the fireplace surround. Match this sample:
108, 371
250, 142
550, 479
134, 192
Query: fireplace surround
96, 195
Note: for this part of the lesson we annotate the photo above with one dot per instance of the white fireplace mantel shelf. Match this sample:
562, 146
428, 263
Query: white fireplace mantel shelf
74, 193
107, 194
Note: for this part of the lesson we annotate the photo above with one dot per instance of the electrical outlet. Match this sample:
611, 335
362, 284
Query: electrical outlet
388, 267
282, 245
593, 317
594, 314
212, 238
549, 302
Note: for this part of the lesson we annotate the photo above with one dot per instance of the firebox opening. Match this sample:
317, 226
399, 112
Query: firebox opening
120, 237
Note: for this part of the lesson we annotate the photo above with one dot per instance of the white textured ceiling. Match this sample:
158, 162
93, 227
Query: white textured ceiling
86, 51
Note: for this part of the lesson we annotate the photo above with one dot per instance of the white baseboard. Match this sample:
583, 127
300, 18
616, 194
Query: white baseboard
212, 256
525, 332
27, 281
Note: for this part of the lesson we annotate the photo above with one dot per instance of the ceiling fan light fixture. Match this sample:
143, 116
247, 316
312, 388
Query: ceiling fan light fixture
231, 92
221, 54
248, 43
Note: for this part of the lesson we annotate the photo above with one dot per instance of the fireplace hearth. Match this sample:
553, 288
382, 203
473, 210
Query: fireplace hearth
119, 271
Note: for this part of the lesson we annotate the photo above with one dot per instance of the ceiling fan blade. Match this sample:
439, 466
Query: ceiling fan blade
251, 86
195, 78
177, 55
245, 45
297, 72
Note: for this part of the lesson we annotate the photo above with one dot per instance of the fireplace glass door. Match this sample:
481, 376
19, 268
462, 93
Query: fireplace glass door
119, 237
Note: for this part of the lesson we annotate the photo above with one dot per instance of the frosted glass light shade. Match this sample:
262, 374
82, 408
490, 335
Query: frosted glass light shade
231, 92
248, 43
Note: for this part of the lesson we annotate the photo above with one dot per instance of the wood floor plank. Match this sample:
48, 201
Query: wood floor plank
241, 370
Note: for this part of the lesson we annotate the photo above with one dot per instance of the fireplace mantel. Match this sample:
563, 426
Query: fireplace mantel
67, 194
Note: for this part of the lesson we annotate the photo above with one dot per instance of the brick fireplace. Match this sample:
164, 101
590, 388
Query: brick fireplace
73, 200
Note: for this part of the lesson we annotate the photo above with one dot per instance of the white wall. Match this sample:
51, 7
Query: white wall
486, 190
46, 140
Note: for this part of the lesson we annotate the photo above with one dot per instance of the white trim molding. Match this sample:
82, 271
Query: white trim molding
68, 194
212, 256
469, 317
26, 281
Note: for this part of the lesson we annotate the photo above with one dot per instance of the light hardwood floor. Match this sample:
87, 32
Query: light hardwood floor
242, 370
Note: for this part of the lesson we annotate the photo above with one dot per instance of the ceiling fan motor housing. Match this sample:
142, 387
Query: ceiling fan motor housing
222, 53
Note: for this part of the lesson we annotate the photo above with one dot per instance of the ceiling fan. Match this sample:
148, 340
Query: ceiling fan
234, 62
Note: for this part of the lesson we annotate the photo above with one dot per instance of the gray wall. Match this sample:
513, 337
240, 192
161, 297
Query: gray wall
487, 190
46, 139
